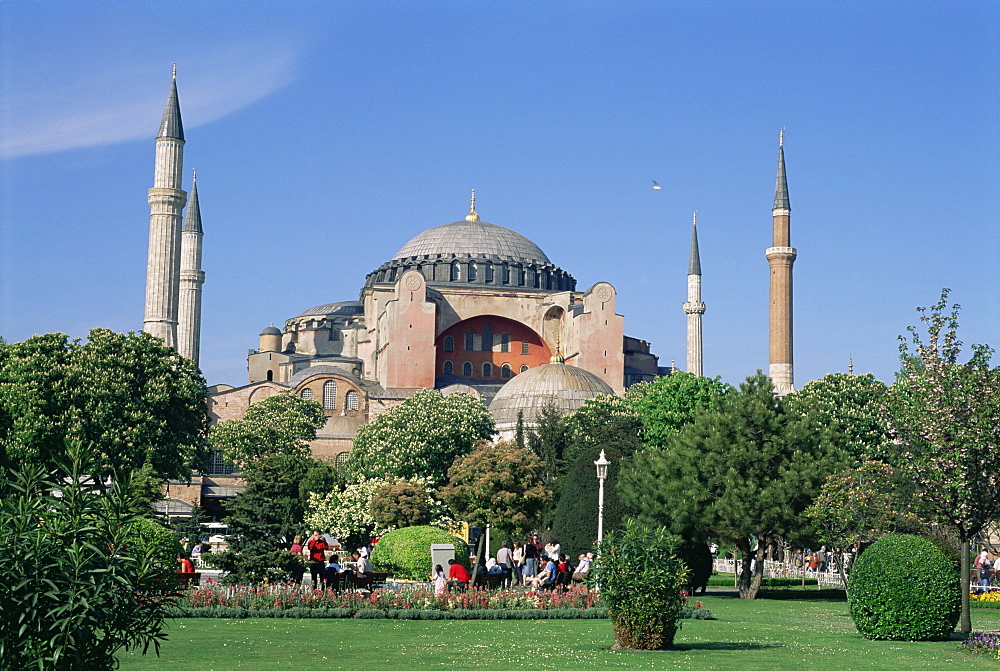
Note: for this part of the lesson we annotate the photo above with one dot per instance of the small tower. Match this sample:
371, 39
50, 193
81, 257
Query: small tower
780, 257
694, 308
166, 203
191, 279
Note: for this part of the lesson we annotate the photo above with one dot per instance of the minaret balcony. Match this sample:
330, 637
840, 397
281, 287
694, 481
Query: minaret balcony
694, 308
781, 252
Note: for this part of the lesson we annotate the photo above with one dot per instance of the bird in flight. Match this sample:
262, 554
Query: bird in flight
656, 186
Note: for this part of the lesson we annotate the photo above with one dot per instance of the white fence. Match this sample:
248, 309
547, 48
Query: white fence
774, 569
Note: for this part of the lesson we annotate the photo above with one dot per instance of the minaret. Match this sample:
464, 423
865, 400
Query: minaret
694, 308
166, 202
780, 257
191, 279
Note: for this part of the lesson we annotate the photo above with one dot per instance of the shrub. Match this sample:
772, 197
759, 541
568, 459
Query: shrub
698, 559
641, 580
904, 588
406, 553
165, 546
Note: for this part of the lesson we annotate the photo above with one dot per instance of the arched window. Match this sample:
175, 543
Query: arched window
525, 347
505, 274
329, 395
467, 369
489, 273
537, 279
505, 371
470, 341
392, 275
456, 271
306, 393
270, 375
504, 342
449, 368
524, 368
342, 457
473, 271
351, 400
449, 344
487, 369
487, 344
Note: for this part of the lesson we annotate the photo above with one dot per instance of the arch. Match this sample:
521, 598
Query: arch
523, 368
351, 400
467, 369
473, 271
488, 272
456, 271
270, 375
342, 457
487, 369
306, 393
505, 371
449, 344
329, 395
504, 274
448, 368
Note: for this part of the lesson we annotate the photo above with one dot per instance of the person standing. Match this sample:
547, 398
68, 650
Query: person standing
317, 548
506, 562
440, 581
531, 556
517, 556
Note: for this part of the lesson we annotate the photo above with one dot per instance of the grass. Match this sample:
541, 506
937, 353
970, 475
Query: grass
765, 633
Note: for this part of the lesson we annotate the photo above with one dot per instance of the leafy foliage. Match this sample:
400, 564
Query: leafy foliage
744, 471
669, 403
574, 521
129, 396
262, 520
79, 582
641, 578
279, 424
853, 408
421, 437
161, 541
406, 553
904, 589
404, 503
499, 485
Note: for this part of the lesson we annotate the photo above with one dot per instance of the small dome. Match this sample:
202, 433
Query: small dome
271, 330
473, 238
348, 308
567, 387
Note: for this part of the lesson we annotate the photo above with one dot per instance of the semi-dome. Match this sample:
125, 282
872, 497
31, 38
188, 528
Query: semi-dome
473, 238
566, 387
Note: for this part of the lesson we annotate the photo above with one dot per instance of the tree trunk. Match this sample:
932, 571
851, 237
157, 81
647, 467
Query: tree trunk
965, 626
475, 563
749, 583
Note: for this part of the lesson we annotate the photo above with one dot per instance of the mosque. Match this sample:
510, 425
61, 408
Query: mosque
464, 307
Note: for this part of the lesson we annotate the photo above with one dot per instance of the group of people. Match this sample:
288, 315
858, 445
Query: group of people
530, 564
323, 571
984, 565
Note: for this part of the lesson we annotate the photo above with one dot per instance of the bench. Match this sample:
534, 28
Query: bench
185, 580
490, 580
368, 581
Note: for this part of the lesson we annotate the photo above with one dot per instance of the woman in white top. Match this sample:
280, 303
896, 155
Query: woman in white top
440, 581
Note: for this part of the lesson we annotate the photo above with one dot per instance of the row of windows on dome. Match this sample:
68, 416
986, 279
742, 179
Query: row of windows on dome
487, 273
486, 342
351, 398
448, 368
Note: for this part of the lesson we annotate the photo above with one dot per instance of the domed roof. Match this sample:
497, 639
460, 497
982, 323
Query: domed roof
568, 387
342, 308
473, 238
271, 330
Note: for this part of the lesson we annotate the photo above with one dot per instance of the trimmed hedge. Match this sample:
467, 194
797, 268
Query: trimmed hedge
239, 612
406, 553
903, 588
765, 583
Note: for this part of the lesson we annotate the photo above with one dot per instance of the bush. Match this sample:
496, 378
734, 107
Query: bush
698, 558
641, 580
903, 588
165, 546
406, 553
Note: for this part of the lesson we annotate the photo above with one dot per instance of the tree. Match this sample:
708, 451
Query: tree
853, 406
81, 581
282, 424
500, 485
131, 398
744, 471
946, 416
549, 440
404, 503
262, 521
574, 519
420, 437
669, 403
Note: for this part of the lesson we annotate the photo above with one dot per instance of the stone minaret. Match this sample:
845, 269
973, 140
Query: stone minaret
166, 202
191, 279
694, 308
780, 258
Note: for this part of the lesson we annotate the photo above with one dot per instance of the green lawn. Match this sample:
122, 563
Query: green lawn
766, 634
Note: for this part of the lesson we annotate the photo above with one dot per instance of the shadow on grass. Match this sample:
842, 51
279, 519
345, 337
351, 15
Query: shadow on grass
731, 645
826, 595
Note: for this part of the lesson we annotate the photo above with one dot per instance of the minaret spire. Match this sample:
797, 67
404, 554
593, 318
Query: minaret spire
694, 308
192, 277
472, 216
780, 257
166, 202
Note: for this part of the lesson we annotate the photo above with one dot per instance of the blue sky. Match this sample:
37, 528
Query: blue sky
325, 135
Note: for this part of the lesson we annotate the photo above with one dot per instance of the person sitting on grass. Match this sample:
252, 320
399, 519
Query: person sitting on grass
458, 576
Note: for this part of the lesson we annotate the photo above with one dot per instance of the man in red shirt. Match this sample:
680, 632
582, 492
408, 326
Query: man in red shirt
317, 558
458, 576
185, 564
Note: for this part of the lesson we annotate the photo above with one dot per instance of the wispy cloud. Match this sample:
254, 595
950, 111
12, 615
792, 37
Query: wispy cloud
53, 112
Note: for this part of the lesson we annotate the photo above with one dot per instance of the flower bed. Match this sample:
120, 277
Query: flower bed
986, 600
983, 643
216, 600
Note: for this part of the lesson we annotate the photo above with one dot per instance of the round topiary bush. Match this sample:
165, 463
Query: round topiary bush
903, 588
406, 553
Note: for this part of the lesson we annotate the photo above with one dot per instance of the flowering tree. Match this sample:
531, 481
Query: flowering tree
853, 406
419, 438
946, 416
280, 424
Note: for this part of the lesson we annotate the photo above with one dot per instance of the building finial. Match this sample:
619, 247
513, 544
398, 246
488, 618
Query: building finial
175, 70
781, 137
557, 357
850, 365
472, 216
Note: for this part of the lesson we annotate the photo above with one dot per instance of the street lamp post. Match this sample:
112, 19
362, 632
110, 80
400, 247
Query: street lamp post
602, 472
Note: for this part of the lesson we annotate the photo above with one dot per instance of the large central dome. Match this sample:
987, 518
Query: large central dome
473, 238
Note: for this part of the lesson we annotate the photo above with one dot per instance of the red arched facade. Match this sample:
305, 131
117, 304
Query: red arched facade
458, 338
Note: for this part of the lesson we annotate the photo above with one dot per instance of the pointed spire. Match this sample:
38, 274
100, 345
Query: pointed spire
472, 216
170, 125
694, 266
558, 356
850, 364
192, 220
781, 185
